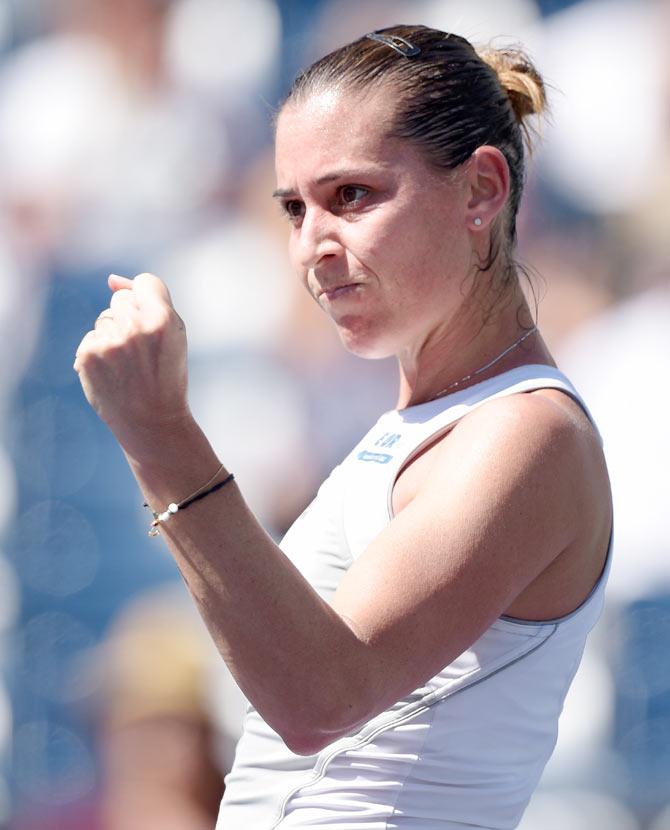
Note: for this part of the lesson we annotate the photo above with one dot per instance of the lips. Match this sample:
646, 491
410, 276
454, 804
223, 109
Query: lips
335, 291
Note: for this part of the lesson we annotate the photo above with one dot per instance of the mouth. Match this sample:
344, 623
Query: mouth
336, 291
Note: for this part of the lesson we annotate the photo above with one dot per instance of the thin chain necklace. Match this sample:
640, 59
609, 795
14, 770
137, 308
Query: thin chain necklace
486, 366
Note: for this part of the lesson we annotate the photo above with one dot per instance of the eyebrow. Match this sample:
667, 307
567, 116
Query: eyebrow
330, 177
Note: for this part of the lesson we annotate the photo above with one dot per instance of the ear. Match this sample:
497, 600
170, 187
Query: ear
488, 179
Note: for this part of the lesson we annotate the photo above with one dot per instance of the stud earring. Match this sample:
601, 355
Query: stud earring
477, 222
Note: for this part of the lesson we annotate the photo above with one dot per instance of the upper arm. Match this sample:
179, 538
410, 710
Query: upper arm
500, 504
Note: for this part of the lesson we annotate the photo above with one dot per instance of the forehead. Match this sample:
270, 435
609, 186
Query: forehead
335, 129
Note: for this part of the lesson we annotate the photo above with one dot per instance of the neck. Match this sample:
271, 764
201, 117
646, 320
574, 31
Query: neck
458, 355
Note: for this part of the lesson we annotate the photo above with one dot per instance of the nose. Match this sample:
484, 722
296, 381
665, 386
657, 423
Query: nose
318, 238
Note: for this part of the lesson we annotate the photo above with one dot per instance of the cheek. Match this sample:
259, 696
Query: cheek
293, 251
398, 238
374, 245
294, 260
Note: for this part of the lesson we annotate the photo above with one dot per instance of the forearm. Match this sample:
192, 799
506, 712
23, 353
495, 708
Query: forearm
296, 660
289, 651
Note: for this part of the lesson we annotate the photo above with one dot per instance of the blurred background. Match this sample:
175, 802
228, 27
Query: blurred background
135, 135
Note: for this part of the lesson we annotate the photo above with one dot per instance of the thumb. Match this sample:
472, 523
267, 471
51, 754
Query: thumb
150, 289
116, 283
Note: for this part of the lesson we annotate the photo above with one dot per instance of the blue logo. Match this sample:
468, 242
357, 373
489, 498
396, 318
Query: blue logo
379, 457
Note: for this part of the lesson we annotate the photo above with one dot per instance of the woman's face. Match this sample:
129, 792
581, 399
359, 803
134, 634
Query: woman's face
377, 236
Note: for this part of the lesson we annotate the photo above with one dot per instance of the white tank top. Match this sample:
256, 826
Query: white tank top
466, 749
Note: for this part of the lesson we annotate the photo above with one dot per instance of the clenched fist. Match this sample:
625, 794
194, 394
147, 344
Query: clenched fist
132, 365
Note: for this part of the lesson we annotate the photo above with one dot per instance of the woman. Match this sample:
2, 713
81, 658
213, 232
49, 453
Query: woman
408, 648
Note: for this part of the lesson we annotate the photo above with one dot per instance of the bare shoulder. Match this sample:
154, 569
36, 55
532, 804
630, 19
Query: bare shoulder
540, 454
541, 439
535, 454
542, 442
519, 430
543, 413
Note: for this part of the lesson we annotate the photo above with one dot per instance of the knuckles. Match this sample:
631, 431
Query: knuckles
93, 355
131, 336
159, 322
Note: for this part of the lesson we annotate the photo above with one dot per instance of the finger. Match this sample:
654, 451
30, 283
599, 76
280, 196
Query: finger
115, 282
123, 301
87, 343
150, 290
123, 308
104, 318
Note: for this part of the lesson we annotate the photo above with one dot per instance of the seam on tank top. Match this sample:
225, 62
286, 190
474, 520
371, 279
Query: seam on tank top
321, 765
411, 768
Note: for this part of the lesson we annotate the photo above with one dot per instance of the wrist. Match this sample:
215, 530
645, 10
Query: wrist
212, 485
146, 442
169, 459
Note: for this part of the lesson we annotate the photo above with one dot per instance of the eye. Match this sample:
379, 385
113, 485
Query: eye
351, 194
294, 208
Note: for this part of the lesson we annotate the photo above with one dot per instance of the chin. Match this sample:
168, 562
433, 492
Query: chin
365, 343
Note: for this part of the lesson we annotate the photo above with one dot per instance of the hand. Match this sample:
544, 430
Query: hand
132, 366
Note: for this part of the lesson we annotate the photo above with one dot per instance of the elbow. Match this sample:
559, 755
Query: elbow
309, 736
331, 711
308, 743
311, 740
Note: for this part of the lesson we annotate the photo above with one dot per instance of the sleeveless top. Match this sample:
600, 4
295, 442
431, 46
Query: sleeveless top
466, 749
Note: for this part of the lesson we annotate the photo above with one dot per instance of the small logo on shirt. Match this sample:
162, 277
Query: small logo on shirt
379, 457
388, 439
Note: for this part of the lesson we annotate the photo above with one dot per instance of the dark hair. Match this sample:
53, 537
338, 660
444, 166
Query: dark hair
450, 97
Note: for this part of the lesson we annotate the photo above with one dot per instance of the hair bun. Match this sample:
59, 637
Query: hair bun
519, 78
